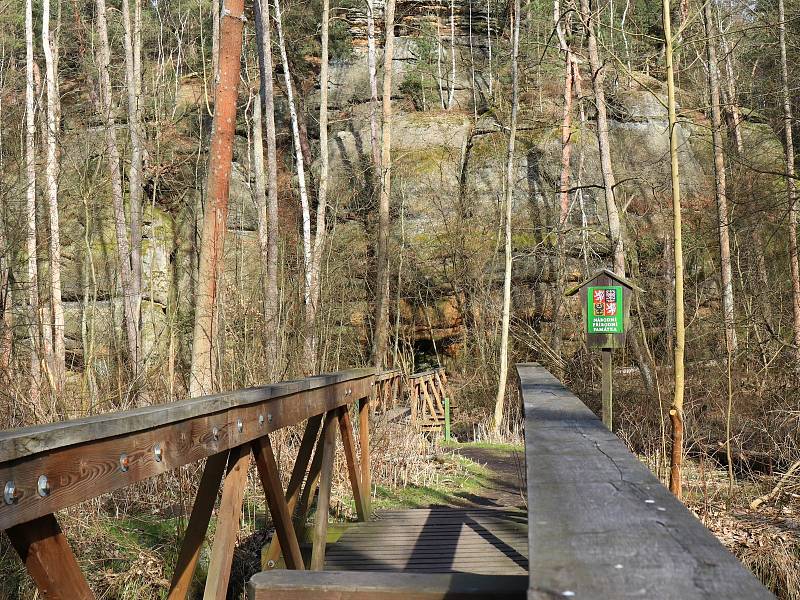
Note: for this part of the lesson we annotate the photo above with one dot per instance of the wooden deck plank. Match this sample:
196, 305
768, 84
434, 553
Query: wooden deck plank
440, 540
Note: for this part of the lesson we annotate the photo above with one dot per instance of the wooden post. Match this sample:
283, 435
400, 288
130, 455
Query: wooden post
363, 437
608, 404
197, 526
324, 499
49, 560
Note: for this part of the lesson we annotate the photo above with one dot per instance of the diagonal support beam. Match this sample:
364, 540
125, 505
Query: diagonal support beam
295, 486
228, 517
278, 509
49, 559
348, 441
328, 443
198, 526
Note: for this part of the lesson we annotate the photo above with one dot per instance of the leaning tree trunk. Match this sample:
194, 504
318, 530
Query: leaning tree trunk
270, 252
720, 183
217, 193
791, 189
676, 411
51, 177
381, 338
499, 407
615, 227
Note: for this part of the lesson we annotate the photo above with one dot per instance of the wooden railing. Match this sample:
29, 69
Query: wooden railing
47, 468
388, 389
430, 400
600, 525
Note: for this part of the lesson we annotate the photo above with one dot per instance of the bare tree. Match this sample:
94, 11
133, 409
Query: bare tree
52, 168
676, 411
106, 110
381, 336
30, 209
615, 228
310, 345
451, 93
720, 182
217, 193
373, 89
791, 185
268, 216
132, 42
499, 407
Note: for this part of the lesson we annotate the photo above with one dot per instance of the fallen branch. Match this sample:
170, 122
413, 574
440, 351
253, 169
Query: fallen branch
777, 489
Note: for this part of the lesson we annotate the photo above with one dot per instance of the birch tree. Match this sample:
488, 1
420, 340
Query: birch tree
451, 94
499, 406
299, 163
51, 178
30, 210
381, 336
310, 345
268, 214
720, 182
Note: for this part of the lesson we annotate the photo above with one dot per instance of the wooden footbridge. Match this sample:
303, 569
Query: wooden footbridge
597, 525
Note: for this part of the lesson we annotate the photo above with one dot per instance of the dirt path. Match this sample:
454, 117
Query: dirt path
506, 484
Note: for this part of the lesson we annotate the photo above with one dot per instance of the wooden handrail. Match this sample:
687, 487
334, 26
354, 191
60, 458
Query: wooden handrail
600, 525
49, 467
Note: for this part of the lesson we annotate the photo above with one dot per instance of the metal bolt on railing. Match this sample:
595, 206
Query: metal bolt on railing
240, 425
10, 494
215, 434
158, 453
260, 420
124, 462
43, 486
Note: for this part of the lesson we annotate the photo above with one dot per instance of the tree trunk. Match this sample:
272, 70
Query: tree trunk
270, 253
117, 195
30, 211
373, 88
609, 182
499, 407
676, 412
791, 189
51, 177
217, 193
720, 183
451, 93
563, 194
6, 316
310, 345
132, 42
615, 227
299, 164
380, 340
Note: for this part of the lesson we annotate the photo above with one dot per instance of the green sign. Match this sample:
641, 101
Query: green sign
604, 310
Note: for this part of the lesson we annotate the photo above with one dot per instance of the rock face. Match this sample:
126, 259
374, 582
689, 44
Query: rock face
448, 182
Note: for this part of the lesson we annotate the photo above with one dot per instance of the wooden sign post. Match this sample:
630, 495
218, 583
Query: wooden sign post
606, 301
